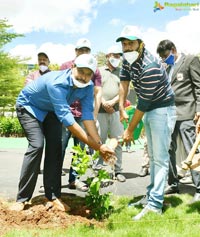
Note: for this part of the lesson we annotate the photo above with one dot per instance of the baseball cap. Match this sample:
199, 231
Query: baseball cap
114, 49
81, 43
129, 32
43, 54
86, 61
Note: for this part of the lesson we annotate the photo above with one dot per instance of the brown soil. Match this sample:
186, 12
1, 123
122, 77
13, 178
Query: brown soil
37, 215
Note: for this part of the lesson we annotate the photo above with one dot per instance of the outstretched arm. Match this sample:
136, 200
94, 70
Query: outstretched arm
91, 138
123, 92
97, 100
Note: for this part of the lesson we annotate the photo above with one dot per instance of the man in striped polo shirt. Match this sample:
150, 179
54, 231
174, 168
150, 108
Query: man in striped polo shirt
155, 101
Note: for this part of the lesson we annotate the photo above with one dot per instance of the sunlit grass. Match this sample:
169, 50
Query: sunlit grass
178, 219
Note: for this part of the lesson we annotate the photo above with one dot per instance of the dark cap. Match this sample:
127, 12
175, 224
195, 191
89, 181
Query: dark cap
43, 54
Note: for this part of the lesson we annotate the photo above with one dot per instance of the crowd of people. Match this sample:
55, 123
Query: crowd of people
88, 103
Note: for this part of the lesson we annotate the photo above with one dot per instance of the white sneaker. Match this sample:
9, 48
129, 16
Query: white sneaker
186, 180
146, 210
120, 177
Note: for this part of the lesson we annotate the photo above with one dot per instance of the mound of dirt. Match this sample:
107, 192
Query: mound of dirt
37, 215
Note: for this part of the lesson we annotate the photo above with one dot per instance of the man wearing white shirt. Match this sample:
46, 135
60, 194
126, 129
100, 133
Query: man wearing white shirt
43, 63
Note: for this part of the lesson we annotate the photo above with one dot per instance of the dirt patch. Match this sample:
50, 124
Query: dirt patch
36, 215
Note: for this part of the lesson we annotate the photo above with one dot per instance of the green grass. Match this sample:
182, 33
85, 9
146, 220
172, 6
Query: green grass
178, 220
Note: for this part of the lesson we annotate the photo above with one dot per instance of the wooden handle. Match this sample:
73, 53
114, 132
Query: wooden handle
188, 162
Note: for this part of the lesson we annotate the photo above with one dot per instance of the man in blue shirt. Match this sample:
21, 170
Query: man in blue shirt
156, 103
42, 107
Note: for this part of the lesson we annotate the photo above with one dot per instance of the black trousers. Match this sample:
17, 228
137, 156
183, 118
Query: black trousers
186, 129
50, 131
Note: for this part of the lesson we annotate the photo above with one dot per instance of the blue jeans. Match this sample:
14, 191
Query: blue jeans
159, 125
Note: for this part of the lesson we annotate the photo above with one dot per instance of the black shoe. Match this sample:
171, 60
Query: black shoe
144, 172
171, 190
195, 199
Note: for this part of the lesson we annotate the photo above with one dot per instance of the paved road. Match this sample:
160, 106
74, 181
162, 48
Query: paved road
11, 160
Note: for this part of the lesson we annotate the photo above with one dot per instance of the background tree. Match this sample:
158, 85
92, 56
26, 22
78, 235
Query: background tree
101, 58
11, 69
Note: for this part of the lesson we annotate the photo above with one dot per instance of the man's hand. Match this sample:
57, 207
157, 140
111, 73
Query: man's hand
123, 116
198, 126
197, 122
128, 136
109, 110
107, 153
196, 117
108, 107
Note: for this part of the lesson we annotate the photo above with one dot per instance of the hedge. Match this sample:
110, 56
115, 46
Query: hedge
10, 127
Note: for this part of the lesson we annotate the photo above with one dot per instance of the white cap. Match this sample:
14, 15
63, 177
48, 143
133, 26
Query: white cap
81, 43
129, 32
43, 54
114, 49
86, 61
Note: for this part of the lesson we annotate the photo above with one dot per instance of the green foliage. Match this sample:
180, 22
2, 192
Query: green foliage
6, 37
52, 67
100, 204
10, 69
10, 127
101, 58
80, 161
11, 81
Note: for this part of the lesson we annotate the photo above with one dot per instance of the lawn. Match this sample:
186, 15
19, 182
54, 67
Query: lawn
178, 219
